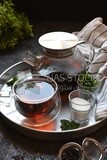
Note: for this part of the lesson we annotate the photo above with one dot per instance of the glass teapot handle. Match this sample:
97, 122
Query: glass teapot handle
33, 60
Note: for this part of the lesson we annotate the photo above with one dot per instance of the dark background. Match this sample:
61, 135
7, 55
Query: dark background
62, 10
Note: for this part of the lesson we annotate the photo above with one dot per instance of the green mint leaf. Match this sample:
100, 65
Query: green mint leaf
68, 125
12, 81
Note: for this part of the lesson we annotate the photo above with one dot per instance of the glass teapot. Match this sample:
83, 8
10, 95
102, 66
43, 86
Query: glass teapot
59, 58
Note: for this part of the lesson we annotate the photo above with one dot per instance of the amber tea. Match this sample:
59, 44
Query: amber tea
36, 97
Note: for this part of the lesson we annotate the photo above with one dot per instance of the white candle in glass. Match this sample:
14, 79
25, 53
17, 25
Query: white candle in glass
80, 109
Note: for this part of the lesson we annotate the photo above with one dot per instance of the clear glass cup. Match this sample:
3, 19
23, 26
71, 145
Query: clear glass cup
81, 103
88, 82
37, 98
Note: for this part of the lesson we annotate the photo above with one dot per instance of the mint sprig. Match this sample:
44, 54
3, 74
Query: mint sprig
12, 81
68, 125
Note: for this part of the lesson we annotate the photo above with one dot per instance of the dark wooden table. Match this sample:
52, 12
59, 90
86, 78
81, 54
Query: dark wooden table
17, 146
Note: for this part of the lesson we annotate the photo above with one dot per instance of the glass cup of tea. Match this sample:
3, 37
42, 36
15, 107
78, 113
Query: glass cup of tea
37, 98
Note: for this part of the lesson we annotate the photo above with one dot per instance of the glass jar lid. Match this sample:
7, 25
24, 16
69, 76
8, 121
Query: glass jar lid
92, 149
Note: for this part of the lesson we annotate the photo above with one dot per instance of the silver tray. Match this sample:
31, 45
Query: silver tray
51, 131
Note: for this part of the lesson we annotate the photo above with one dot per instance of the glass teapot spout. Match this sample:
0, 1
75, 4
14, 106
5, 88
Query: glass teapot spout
33, 60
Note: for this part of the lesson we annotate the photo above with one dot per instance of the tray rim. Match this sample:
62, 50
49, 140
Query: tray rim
99, 123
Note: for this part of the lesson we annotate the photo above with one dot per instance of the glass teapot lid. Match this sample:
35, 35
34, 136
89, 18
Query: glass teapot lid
58, 40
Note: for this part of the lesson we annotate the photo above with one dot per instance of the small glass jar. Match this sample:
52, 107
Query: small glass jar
60, 59
91, 149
